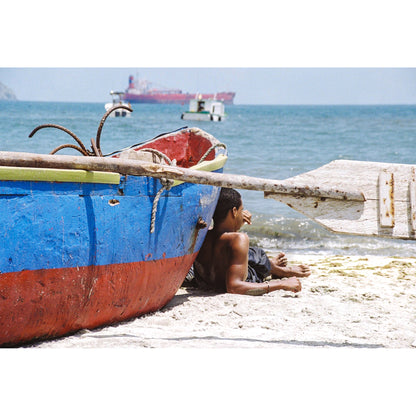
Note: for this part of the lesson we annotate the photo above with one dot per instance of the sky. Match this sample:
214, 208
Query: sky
252, 85
298, 52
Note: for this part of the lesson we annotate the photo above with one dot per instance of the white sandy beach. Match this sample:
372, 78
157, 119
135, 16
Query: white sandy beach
344, 344
347, 302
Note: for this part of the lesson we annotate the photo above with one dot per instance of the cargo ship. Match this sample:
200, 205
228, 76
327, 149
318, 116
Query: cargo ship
142, 92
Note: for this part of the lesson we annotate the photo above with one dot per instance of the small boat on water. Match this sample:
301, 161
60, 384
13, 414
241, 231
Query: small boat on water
204, 110
117, 101
83, 249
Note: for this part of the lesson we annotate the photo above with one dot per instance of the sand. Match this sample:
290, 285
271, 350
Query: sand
347, 302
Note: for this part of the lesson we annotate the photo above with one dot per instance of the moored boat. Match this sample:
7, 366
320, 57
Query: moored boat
83, 249
117, 101
204, 110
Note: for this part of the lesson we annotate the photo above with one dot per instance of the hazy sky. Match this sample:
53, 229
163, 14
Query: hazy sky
280, 52
252, 85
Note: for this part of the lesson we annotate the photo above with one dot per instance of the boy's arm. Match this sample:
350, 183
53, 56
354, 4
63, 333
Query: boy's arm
238, 267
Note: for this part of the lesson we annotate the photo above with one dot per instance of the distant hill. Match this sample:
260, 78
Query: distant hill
6, 93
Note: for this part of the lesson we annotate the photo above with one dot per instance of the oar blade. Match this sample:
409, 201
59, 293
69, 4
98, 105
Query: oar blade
389, 209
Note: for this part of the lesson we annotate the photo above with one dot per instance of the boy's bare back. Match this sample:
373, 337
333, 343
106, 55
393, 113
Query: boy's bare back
217, 254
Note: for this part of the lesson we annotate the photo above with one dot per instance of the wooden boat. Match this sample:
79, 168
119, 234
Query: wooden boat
205, 110
82, 249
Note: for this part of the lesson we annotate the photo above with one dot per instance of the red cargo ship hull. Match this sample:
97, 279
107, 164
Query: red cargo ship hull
142, 94
161, 98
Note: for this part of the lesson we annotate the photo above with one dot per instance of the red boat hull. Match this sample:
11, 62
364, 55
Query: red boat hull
55, 302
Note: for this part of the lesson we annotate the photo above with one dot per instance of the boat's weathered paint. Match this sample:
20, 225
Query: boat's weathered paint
81, 254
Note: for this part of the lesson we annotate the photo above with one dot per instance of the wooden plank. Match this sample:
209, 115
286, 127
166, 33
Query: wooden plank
386, 198
354, 217
140, 168
412, 196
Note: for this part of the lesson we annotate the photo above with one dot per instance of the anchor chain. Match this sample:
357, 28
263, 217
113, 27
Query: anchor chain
95, 144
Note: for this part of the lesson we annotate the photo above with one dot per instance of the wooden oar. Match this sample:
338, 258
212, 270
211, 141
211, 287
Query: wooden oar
389, 209
141, 168
363, 198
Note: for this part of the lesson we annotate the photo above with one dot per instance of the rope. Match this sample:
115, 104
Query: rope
210, 149
166, 184
157, 152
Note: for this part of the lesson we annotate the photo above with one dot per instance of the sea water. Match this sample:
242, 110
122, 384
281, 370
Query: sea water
266, 141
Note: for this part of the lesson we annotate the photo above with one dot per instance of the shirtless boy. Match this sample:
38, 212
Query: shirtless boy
226, 263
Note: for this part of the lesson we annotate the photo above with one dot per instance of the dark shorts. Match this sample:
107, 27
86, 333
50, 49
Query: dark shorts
259, 266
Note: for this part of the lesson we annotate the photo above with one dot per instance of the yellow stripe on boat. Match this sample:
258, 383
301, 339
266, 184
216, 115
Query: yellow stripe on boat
208, 166
8, 173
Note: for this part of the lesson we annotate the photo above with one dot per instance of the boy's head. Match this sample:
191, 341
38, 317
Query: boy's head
228, 199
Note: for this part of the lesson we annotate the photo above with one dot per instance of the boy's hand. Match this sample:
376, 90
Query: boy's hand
247, 217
